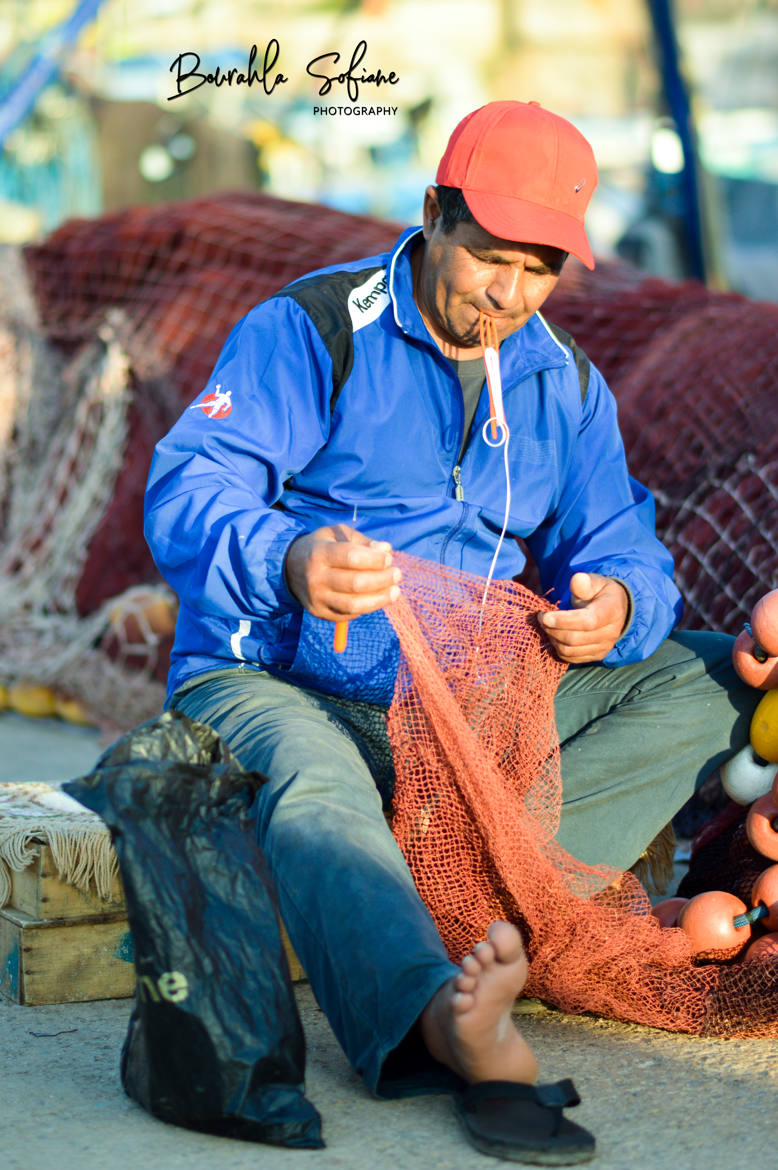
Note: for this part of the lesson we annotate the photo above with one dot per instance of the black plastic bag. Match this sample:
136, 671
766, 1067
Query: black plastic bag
215, 1041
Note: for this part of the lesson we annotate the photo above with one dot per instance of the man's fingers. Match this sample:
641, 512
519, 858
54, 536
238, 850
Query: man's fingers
607, 606
582, 637
343, 533
586, 620
580, 650
336, 572
335, 606
579, 643
590, 654
570, 620
362, 581
589, 630
350, 555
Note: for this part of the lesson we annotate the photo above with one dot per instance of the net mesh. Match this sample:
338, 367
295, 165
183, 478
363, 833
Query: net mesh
477, 802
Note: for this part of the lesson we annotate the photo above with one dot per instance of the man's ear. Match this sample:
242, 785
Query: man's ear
431, 211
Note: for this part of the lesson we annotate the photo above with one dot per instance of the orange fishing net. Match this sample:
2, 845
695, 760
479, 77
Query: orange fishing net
477, 804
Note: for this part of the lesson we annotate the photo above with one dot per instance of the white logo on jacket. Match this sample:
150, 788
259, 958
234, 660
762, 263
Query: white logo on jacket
217, 404
368, 300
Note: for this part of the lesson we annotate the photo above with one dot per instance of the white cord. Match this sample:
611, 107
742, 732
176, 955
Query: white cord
501, 441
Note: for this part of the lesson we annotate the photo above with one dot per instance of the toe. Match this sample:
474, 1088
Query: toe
462, 1001
470, 965
506, 942
485, 953
466, 983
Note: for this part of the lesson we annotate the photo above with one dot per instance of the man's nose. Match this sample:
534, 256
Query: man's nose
506, 289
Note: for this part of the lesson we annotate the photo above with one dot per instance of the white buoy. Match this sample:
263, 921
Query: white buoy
745, 776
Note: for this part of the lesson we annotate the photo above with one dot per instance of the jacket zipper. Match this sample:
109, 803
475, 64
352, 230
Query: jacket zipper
459, 494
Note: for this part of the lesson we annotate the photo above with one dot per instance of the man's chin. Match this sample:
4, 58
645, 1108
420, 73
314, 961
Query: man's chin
468, 338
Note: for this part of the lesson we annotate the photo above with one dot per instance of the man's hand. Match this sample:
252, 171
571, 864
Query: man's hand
593, 625
337, 572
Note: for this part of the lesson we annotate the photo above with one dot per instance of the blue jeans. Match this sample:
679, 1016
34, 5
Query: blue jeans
636, 741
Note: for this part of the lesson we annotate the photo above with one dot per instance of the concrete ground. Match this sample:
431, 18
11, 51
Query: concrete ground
653, 1099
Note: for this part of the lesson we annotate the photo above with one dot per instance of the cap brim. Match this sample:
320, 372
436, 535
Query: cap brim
528, 223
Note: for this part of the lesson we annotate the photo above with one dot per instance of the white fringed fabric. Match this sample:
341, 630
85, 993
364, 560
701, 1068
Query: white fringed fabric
38, 814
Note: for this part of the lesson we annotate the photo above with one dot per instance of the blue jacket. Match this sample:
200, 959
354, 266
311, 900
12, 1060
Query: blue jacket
330, 403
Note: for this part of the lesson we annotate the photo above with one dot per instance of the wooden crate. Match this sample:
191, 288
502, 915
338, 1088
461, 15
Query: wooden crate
40, 893
65, 960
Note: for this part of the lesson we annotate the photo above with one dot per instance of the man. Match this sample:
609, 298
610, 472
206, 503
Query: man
355, 426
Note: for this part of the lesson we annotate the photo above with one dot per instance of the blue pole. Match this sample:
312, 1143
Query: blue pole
677, 96
45, 65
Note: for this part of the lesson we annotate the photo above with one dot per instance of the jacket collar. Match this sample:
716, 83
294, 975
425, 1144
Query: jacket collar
531, 348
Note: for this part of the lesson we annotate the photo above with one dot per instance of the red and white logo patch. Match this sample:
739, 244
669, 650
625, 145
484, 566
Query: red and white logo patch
217, 404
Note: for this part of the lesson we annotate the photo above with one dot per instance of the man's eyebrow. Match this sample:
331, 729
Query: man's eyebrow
540, 268
553, 268
487, 253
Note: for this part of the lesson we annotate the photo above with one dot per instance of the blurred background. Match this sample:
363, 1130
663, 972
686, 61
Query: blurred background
678, 97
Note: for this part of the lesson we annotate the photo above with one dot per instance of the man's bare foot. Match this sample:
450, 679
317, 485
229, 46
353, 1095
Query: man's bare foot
467, 1025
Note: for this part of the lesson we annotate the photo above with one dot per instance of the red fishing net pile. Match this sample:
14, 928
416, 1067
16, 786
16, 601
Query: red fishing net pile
695, 373
477, 804
180, 275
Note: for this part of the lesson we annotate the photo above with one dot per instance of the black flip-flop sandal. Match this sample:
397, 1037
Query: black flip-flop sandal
524, 1123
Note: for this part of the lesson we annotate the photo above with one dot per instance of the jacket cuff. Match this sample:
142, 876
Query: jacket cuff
274, 564
630, 606
655, 610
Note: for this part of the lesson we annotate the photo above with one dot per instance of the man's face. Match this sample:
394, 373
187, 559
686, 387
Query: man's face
468, 271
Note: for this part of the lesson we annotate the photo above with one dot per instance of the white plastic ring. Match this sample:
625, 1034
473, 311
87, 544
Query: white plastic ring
503, 436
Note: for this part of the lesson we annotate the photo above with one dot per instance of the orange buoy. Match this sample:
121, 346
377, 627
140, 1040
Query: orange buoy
764, 622
765, 892
762, 826
709, 921
668, 910
143, 613
755, 670
764, 947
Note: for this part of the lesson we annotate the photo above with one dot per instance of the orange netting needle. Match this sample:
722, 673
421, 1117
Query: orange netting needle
488, 333
341, 636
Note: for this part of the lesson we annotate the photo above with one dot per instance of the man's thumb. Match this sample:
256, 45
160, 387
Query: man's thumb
582, 589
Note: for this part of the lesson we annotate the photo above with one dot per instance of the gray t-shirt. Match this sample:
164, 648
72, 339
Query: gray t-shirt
471, 378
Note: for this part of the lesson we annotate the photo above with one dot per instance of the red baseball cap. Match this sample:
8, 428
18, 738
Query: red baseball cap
527, 175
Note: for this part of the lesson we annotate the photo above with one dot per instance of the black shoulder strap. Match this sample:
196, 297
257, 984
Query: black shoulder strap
583, 365
324, 298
